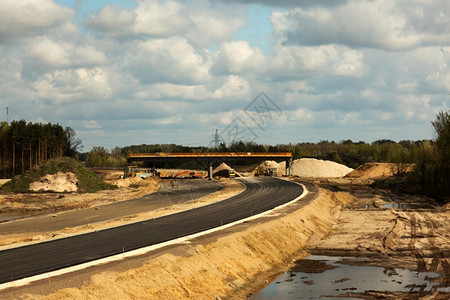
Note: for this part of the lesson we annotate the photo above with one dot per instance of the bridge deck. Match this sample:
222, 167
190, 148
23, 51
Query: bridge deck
280, 155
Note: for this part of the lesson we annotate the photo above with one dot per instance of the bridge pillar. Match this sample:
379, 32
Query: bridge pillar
289, 167
210, 170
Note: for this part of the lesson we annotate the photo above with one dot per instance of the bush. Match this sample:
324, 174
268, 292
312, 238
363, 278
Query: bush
88, 180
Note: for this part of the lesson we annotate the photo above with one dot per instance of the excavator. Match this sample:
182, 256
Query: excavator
188, 174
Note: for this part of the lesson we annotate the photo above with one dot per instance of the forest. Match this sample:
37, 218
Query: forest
26, 145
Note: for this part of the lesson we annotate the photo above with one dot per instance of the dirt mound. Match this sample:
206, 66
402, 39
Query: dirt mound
373, 170
266, 165
59, 183
311, 167
270, 164
87, 180
124, 183
220, 170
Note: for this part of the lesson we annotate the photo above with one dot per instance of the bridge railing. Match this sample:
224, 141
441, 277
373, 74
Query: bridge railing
212, 154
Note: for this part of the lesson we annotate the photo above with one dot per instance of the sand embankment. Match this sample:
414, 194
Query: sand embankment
230, 262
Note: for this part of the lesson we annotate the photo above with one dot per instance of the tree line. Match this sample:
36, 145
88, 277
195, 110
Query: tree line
345, 152
26, 145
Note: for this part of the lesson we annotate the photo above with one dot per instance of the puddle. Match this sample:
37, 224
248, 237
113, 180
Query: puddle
336, 279
397, 206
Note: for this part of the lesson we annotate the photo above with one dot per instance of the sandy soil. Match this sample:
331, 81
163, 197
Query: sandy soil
343, 217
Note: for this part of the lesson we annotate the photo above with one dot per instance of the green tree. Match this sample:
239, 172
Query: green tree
74, 144
442, 128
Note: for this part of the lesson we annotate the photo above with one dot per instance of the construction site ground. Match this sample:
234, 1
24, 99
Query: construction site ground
341, 216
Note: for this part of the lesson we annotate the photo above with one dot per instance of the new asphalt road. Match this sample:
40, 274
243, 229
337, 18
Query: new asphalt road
261, 194
170, 193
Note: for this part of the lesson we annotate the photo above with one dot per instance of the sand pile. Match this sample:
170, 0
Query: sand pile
59, 182
269, 164
266, 165
124, 183
373, 170
222, 170
311, 167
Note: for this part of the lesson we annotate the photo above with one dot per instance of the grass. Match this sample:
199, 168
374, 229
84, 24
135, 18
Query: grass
89, 182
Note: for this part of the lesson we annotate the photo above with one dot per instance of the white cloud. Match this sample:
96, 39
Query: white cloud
175, 91
171, 60
235, 88
237, 57
73, 86
92, 124
200, 22
20, 19
295, 62
384, 24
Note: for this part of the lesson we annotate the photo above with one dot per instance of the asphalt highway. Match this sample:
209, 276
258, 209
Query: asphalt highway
170, 193
261, 194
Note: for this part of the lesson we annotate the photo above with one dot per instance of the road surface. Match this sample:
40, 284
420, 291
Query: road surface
170, 193
261, 194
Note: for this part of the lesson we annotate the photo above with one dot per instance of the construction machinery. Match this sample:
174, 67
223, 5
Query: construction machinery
135, 171
264, 171
188, 174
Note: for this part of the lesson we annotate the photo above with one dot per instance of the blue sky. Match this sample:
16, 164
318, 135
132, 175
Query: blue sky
133, 72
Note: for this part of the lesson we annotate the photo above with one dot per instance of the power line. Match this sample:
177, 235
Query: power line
216, 139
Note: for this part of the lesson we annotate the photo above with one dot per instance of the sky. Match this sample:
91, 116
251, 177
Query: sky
129, 72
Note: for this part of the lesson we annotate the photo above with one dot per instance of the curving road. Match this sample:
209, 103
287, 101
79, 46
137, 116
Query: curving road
170, 193
261, 194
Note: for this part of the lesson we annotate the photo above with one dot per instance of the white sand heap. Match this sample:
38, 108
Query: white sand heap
311, 167
59, 182
269, 164
223, 166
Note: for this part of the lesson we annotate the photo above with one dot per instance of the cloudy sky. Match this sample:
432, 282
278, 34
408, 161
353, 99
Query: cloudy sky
133, 72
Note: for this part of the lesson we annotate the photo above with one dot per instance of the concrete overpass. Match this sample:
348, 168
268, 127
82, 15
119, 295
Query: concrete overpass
211, 157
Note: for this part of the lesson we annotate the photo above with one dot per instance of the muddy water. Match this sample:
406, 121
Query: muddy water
325, 276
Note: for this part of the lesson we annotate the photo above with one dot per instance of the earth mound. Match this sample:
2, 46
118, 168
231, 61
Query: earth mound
222, 170
268, 164
59, 183
311, 167
373, 170
126, 182
88, 181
